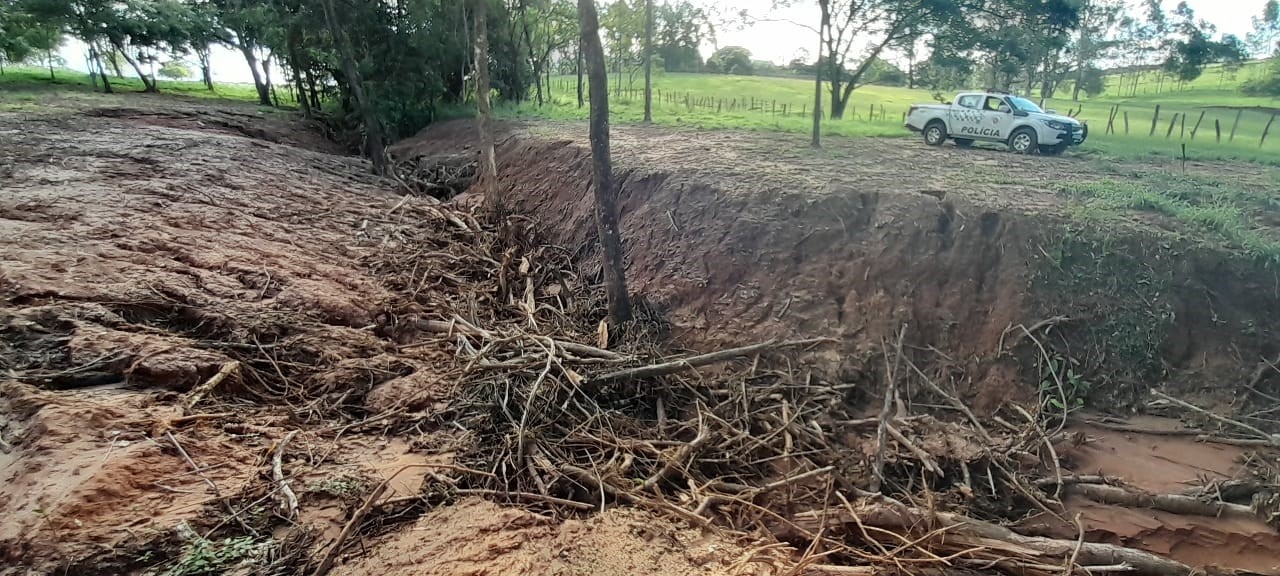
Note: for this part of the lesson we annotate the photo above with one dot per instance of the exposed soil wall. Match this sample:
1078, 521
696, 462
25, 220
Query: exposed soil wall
734, 259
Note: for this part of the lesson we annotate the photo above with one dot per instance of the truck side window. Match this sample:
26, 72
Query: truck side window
993, 103
970, 101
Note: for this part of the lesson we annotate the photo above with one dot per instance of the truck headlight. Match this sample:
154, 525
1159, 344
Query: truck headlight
1056, 125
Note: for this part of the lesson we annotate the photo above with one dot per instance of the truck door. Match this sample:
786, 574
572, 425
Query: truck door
997, 119
966, 116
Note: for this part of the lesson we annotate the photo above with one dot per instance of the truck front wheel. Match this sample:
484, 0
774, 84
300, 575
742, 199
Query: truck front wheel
1023, 141
935, 133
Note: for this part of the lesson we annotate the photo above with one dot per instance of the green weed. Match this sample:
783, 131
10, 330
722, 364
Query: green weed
204, 556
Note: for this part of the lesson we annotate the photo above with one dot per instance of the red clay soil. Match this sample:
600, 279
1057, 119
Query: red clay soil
135, 244
1162, 464
744, 236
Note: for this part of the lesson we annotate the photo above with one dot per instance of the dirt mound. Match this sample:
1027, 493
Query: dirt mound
477, 537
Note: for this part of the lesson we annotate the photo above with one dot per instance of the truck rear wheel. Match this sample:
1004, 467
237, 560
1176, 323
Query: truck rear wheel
935, 133
1023, 141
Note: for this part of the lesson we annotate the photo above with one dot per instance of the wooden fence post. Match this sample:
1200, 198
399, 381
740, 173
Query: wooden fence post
1217, 129
1183, 130
1235, 125
1172, 122
1197, 128
1154, 120
1267, 130
1126, 122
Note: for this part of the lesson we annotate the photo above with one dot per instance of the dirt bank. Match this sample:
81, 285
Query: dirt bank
741, 236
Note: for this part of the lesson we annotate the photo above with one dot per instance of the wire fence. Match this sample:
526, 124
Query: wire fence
1234, 125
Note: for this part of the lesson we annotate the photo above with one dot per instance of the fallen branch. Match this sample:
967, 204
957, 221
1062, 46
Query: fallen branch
929, 463
675, 366
458, 326
326, 563
700, 360
1272, 440
277, 474
197, 393
890, 514
1172, 503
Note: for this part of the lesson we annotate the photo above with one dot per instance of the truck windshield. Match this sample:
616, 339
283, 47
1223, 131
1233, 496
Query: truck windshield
1024, 105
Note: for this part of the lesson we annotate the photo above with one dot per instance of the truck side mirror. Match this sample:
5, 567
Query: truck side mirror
1021, 113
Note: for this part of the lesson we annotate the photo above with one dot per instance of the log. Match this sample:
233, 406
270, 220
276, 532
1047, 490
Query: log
889, 514
1172, 503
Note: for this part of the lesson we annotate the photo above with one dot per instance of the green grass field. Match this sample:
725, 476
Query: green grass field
783, 104
23, 84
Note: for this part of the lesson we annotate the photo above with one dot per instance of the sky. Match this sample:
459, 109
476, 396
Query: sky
768, 37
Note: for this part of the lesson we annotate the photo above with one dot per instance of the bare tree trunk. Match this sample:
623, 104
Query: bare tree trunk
295, 60
648, 61
206, 67
115, 63
489, 172
96, 56
264, 95
578, 69
817, 84
373, 128
615, 279
528, 42
148, 84
266, 76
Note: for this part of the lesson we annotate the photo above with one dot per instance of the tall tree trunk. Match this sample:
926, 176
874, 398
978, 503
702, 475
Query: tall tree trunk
95, 59
311, 87
816, 141
295, 61
264, 95
373, 128
115, 63
48, 59
266, 79
206, 68
489, 168
148, 83
578, 69
615, 279
648, 61
528, 42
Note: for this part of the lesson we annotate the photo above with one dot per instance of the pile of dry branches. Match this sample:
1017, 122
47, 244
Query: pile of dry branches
442, 176
742, 439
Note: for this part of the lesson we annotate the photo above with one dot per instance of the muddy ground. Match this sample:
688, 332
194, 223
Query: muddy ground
152, 246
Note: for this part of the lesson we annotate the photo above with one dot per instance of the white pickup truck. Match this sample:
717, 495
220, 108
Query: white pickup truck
997, 117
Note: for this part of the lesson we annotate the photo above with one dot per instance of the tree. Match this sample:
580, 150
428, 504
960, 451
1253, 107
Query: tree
615, 279
648, 61
175, 70
1189, 54
731, 60
1093, 40
375, 146
681, 28
489, 167
135, 29
871, 26
246, 24
1264, 40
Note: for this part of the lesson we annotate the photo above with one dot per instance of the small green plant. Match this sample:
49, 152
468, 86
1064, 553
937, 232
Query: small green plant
340, 486
1062, 389
204, 556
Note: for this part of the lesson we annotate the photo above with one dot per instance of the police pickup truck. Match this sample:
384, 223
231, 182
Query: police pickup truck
997, 117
